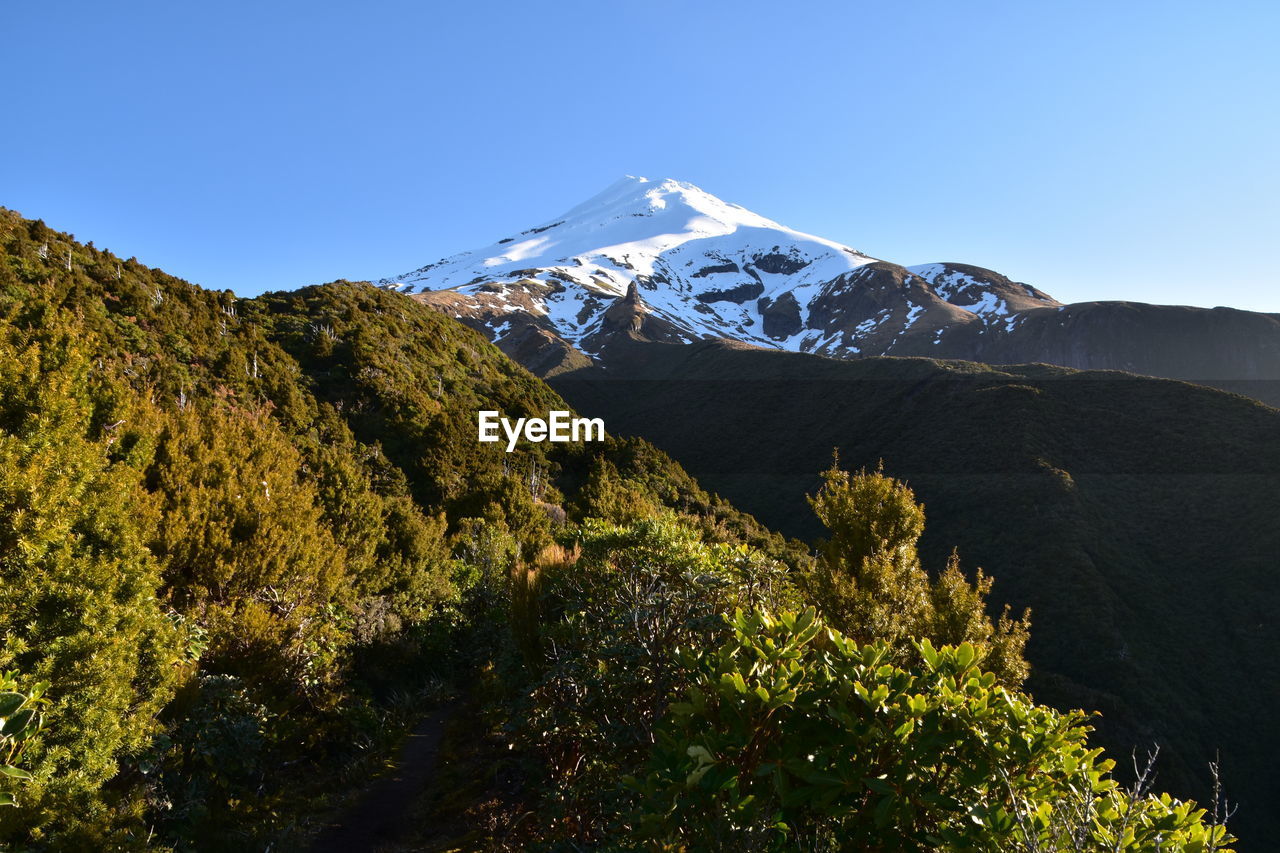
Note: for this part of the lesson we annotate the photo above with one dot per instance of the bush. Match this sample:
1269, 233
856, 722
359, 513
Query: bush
794, 736
78, 587
612, 622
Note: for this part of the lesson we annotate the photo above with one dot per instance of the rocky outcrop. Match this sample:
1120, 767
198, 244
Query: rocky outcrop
625, 314
631, 318
781, 316
737, 295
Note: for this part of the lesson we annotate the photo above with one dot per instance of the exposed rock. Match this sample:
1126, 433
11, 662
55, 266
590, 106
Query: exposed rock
625, 314
780, 264
737, 295
542, 352
729, 267
781, 316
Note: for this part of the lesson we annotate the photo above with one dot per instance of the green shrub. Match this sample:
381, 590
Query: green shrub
793, 736
20, 721
612, 621
78, 605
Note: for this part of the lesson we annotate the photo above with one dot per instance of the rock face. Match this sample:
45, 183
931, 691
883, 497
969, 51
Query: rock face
780, 317
665, 261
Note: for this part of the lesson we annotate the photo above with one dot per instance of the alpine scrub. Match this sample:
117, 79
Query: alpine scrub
793, 736
683, 695
242, 540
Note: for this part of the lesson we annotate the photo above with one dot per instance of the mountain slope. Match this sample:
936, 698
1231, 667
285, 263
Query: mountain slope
697, 268
702, 263
1134, 516
705, 268
234, 531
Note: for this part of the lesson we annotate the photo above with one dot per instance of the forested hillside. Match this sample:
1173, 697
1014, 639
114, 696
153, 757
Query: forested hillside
244, 542
1134, 516
238, 535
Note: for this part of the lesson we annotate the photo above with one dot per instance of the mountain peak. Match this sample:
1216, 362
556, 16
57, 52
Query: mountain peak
631, 231
699, 267
678, 206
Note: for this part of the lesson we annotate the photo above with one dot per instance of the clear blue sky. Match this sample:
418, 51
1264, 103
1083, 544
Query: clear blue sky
1098, 150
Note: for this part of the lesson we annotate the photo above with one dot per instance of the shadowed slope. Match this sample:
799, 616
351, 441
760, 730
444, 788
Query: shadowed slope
1136, 517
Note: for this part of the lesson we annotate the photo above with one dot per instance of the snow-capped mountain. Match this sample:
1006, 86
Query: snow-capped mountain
663, 261
668, 261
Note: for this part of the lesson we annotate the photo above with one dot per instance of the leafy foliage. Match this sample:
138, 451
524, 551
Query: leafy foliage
655, 659
20, 721
78, 605
1134, 516
613, 619
794, 736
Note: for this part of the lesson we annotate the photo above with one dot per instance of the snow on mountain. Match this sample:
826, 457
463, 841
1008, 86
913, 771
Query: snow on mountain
982, 292
698, 267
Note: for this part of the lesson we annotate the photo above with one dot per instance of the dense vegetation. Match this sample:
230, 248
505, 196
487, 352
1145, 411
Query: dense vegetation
1134, 516
794, 736
668, 695
242, 542
239, 538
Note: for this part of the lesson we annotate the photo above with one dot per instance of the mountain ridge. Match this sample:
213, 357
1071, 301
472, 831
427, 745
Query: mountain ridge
705, 269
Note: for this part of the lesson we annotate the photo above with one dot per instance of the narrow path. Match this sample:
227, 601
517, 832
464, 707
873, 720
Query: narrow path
382, 815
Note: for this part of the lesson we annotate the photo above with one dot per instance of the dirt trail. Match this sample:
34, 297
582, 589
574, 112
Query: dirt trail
382, 816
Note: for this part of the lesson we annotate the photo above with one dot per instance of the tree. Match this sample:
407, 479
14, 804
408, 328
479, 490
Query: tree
78, 587
868, 582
